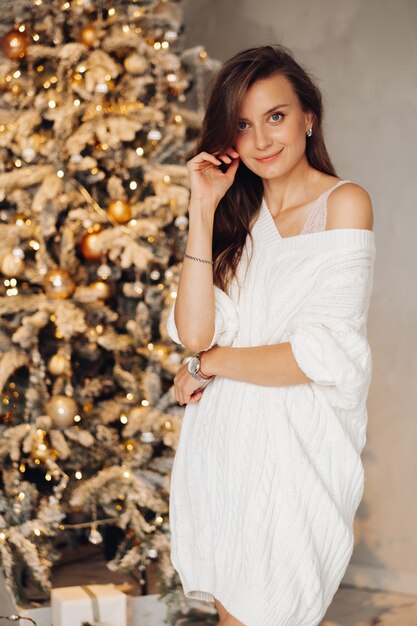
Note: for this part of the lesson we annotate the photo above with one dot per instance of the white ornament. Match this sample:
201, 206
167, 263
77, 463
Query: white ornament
12, 265
147, 437
102, 87
58, 364
104, 271
136, 64
62, 410
95, 537
154, 135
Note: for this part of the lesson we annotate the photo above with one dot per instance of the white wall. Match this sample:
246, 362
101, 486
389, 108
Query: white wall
364, 57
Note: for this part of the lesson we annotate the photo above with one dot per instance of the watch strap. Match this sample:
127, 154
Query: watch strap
200, 372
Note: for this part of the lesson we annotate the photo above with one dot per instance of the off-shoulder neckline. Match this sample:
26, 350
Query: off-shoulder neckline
267, 229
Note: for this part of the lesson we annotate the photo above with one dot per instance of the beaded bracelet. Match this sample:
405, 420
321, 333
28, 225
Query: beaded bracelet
197, 259
16, 618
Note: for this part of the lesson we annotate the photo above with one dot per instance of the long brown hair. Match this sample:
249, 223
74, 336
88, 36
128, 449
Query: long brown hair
239, 206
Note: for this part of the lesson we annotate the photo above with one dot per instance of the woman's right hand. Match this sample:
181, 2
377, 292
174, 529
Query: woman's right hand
207, 181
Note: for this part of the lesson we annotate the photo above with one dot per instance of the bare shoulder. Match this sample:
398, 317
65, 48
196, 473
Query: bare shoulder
349, 206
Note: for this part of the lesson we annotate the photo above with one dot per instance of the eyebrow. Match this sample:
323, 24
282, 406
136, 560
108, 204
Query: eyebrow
278, 106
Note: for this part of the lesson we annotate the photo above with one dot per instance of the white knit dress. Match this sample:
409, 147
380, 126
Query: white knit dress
266, 480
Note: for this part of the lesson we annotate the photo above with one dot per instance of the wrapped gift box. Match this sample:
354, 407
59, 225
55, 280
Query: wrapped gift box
88, 567
71, 606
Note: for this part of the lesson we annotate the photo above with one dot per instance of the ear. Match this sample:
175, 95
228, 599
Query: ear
309, 120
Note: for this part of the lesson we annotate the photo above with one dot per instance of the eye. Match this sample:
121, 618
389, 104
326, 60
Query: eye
275, 115
240, 124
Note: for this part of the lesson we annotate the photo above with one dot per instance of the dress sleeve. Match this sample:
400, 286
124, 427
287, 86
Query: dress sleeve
226, 321
328, 333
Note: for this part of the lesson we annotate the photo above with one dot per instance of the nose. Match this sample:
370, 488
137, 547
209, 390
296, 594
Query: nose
262, 139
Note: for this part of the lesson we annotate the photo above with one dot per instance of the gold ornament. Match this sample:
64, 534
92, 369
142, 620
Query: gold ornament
120, 211
39, 449
89, 248
7, 417
101, 289
12, 265
135, 64
14, 44
161, 350
58, 284
59, 364
4, 84
62, 410
89, 35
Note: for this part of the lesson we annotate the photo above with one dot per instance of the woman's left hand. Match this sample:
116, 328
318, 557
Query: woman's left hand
186, 388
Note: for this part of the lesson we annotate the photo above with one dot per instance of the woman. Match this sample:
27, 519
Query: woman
273, 295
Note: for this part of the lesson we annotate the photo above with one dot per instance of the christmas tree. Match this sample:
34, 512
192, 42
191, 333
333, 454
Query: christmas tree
99, 108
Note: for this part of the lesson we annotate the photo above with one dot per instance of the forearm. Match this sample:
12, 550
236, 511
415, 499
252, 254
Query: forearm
270, 366
194, 306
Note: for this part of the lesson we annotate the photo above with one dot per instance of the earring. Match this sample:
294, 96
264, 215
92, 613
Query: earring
309, 132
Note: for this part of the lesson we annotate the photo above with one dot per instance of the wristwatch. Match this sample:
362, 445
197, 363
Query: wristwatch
194, 365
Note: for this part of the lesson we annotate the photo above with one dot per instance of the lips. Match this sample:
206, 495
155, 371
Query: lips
269, 157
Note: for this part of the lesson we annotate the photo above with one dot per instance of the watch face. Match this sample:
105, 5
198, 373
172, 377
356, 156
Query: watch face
194, 365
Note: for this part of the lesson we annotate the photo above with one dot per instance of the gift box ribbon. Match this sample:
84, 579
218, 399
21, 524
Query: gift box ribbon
94, 602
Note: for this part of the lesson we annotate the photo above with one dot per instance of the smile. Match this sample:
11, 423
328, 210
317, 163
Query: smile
270, 158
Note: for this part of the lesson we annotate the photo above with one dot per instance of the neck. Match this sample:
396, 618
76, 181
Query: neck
291, 189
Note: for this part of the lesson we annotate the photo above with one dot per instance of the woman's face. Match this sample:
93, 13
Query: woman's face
271, 136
